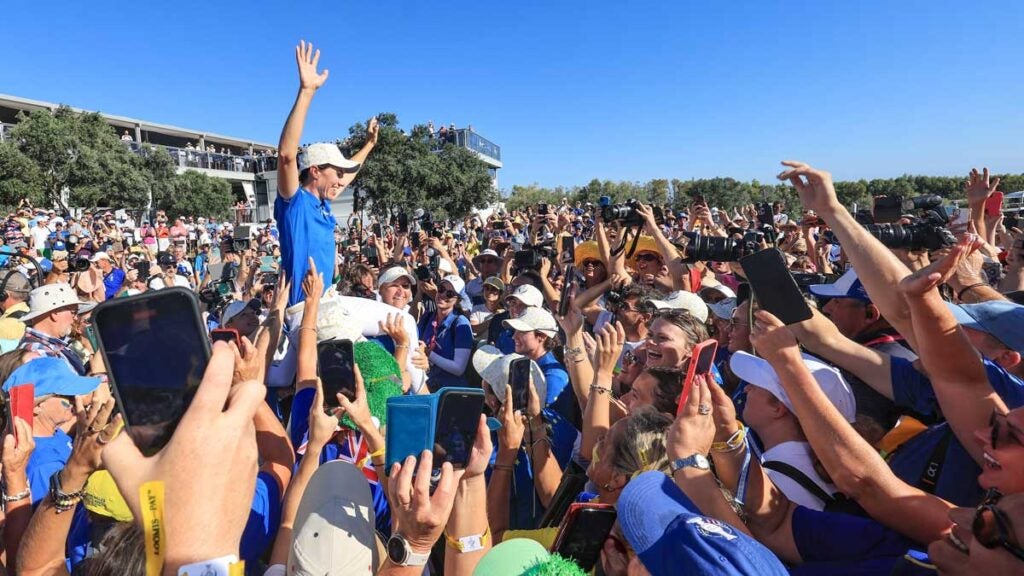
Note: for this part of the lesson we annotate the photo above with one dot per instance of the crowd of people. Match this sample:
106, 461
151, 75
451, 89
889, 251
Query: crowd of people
881, 434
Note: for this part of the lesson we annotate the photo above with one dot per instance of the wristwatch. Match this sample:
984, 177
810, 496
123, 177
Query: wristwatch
698, 461
401, 554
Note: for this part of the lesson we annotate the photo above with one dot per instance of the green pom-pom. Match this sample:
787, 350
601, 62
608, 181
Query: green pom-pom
381, 377
556, 566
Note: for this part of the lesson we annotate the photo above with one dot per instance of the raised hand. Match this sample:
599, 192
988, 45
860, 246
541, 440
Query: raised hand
394, 327
359, 409
979, 186
610, 341
510, 436
480, 457
771, 338
249, 363
322, 427
372, 130
693, 430
420, 515
307, 59
313, 283
921, 282
814, 187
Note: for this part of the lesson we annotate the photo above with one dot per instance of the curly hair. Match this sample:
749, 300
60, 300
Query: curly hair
668, 386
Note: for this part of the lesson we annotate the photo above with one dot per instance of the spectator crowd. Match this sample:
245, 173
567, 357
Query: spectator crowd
667, 420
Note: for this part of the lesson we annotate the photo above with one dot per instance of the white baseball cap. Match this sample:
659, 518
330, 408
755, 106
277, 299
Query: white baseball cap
100, 256
493, 366
393, 274
534, 319
528, 295
458, 284
682, 300
759, 372
325, 153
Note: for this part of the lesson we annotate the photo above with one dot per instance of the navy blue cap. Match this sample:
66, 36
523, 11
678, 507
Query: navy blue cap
671, 536
847, 286
1003, 319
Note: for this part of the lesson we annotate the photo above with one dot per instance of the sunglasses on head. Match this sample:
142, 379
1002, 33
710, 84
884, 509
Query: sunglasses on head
991, 526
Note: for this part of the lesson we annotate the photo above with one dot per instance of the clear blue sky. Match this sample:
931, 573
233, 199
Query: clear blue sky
570, 90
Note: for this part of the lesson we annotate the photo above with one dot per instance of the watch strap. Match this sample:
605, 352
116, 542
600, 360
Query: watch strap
698, 461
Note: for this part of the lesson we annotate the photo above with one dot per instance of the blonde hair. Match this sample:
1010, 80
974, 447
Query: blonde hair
641, 445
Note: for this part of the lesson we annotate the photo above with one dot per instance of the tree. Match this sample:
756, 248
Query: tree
196, 194
414, 170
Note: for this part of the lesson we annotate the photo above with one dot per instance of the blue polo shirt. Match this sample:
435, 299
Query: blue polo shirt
958, 477
112, 283
559, 406
306, 226
452, 333
299, 433
50, 455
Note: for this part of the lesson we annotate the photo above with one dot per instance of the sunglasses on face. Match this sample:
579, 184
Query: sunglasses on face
646, 257
991, 527
447, 293
594, 263
1003, 431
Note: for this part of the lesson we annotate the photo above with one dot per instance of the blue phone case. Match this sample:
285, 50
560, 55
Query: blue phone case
412, 423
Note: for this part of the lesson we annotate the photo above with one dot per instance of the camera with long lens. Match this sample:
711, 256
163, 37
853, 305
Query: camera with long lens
532, 256
927, 232
721, 248
220, 293
79, 264
889, 208
627, 213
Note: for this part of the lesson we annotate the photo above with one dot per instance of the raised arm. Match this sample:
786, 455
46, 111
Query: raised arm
957, 374
673, 260
877, 267
854, 466
305, 370
597, 413
288, 147
372, 132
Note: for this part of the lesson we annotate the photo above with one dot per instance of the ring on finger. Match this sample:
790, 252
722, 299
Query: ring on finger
704, 409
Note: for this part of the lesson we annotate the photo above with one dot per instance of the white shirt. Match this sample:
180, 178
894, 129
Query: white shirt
40, 234
799, 456
157, 282
479, 314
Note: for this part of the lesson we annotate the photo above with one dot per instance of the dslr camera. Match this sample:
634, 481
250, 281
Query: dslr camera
721, 248
927, 232
627, 213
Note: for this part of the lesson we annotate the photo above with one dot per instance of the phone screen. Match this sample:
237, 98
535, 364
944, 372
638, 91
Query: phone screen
458, 415
567, 286
335, 360
156, 351
226, 335
994, 204
519, 380
569, 248
20, 403
774, 287
414, 241
583, 533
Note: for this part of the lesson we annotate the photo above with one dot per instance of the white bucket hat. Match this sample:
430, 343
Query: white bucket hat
46, 299
492, 366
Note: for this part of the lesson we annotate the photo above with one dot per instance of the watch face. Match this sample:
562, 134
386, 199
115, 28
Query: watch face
396, 550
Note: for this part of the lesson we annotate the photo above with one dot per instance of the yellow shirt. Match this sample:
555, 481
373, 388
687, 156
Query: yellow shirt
12, 328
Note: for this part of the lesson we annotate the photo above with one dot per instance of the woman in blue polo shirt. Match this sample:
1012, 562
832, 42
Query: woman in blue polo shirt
448, 336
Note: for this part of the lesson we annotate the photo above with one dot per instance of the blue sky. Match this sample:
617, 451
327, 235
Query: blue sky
570, 90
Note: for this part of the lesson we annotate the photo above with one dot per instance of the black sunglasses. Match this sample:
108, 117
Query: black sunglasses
448, 293
998, 422
991, 527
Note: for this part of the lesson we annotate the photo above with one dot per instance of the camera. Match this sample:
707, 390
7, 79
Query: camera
889, 208
721, 249
927, 232
166, 259
628, 214
542, 209
530, 257
79, 264
239, 245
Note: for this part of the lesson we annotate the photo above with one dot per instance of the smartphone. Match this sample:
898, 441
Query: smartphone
335, 361
568, 490
567, 285
267, 264
701, 361
961, 218
378, 230
519, 380
403, 223
156, 350
226, 335
583, 532
20, 403
458, 415
423, 273
994, 204
569, 248
414, 241
774, 287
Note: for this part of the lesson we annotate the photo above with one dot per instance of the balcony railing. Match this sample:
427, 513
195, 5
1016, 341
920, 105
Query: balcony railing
466, 138
196, 158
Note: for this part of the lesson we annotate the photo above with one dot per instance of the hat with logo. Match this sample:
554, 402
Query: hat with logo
667, 531
102, 497
759, 372
457, 284
334, 525
323, 153
682, 300
1002, 319
46, 299
51, 375
847, 286
534, 319
493, 366
528, 295
394, 274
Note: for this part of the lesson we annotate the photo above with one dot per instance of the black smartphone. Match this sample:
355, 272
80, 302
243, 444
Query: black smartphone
143, 267
569, 248
583, 532
378, 230
567, 285
414, 240
423, 273
569, 488
156, 350
519, 380
403, 223
458, 415
765, 214
335, 361
774, 287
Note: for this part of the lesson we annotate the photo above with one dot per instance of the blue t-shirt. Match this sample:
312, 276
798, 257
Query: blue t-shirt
453, 333
560, 405
958, 478
50, 455
832, 543
307, 230
264, 518
299, 432
112, 283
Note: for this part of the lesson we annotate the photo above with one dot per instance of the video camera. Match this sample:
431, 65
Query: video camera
79, 264
219, 294
532, 256
928, 232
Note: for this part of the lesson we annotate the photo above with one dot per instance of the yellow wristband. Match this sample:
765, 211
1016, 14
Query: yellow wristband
734, 442
370, 457
471, 543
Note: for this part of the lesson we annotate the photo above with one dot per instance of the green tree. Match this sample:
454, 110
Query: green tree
196, 194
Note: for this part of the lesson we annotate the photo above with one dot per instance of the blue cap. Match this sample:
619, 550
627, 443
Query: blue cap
46, 265
59, 246
1002, 319
668, 532
847, 286
51, 376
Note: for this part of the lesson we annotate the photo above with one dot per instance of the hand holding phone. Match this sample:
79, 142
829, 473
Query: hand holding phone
583, 532
20, 404
519, 380
335, 361
701, 361
774, 287
226, 335
994, 204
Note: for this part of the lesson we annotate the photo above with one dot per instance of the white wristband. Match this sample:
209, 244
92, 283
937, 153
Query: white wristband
215, 567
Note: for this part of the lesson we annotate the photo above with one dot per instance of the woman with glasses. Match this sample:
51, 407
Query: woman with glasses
448, 336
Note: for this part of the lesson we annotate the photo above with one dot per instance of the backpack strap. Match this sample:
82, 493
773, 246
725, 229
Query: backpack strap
796, 475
